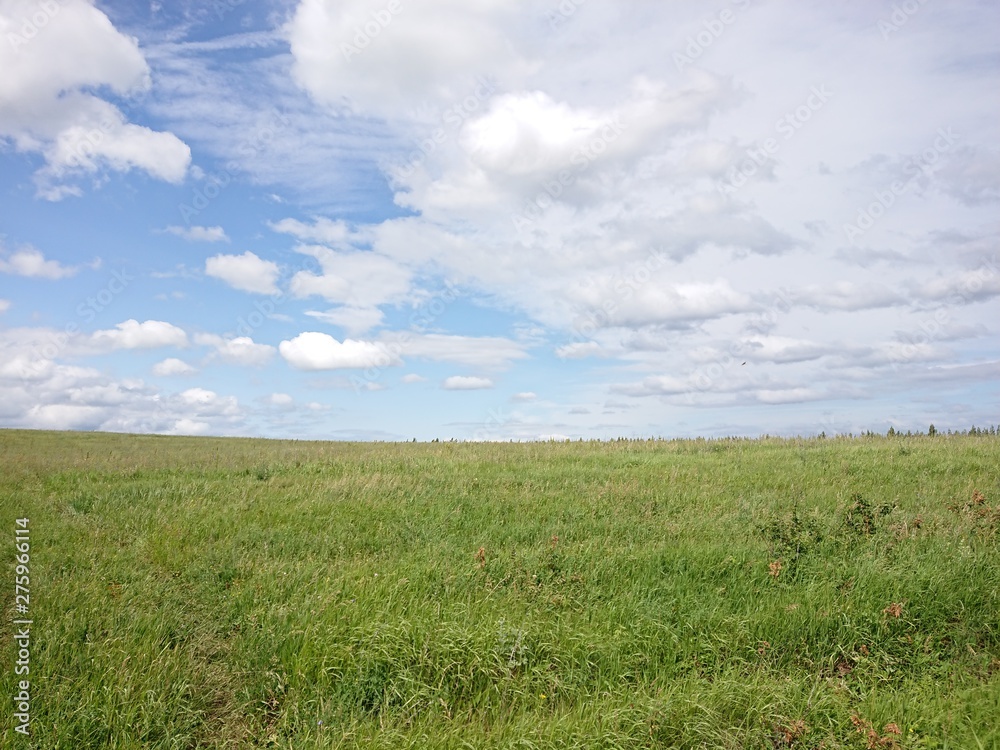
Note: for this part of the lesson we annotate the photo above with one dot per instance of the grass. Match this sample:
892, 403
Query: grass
230, 593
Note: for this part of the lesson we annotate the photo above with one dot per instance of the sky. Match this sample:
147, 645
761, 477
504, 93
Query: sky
501, 219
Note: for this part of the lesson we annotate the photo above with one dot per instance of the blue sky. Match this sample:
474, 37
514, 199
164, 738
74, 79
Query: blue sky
498, 220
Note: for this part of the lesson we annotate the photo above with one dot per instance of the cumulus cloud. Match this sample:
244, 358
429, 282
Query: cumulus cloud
478, 351
354, 320
579, 350
466, 383
199, 234
239, 351
320, 351
323, 231
411, 57
32, 263
356, 279
131, 334
173, 366
245, 272
43, 393
849, 296
50, 70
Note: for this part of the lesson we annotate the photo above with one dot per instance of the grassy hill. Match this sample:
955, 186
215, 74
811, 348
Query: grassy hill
199, 592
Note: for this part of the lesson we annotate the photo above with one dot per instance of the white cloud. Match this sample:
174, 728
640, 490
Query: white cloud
849, 296
466, 383
188, 426
524, 397
579, 350
361, 280
245, 272
415, 56
413, 378
42, 393
240, 351
131, 334
4, 305
319, 351
31, 263
322, 230
354, 320
50, 69
198, 396
199, 234
478, 351
596, 198
66, 417
658, 385
173, 366
280, 399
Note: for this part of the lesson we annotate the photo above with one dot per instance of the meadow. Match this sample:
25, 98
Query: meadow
768, 593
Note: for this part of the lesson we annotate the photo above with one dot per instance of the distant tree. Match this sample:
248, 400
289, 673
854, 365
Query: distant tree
891, 432
932, 430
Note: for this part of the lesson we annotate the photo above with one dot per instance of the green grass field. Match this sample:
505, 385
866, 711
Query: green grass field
200, 592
